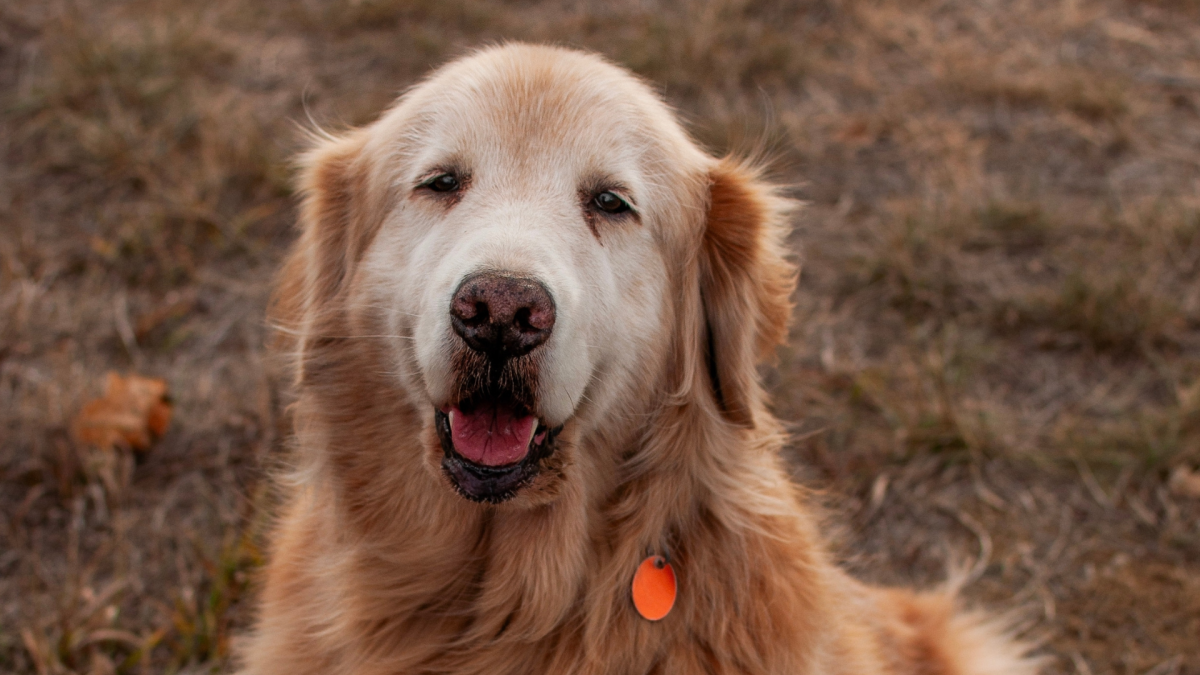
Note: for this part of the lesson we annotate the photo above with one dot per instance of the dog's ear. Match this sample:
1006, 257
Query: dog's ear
343, 206
746, 284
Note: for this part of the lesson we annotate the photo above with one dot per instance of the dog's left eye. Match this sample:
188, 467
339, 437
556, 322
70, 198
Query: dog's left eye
609, 202
446, 182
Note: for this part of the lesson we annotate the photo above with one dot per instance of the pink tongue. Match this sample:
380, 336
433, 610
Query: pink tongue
491, 436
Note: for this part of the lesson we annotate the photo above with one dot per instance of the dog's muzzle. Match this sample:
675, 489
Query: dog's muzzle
492, 441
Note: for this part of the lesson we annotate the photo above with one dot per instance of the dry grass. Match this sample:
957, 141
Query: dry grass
997, 346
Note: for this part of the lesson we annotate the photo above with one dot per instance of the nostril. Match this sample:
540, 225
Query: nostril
522, 320
482, 315
470, 311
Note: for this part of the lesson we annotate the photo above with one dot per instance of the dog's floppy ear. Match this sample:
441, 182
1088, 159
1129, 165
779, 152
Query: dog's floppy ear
344, 202
745, 283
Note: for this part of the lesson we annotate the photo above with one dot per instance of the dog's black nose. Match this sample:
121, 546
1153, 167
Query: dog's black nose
503, 317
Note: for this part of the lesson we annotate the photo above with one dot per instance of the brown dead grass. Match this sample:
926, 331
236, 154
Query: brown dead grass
996, 358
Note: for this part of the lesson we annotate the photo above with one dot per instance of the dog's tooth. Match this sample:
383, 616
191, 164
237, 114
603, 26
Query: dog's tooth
532, 430
450, 415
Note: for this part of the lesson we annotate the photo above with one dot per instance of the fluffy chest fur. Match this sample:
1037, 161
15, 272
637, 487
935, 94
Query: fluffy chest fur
475, 591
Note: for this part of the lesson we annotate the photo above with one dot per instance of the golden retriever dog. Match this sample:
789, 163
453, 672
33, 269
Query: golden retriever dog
526, 312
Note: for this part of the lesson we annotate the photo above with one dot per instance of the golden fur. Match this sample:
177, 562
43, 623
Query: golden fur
377, 566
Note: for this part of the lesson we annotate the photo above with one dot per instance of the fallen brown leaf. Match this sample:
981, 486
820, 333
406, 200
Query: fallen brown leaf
132, 413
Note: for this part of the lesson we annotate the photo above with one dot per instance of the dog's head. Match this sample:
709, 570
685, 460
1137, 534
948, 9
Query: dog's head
527, 257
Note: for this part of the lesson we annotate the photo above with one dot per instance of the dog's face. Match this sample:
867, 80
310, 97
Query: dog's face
527, 233
523, 261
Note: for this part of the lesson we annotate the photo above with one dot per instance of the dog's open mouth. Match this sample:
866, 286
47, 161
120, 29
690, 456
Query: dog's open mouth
492, 447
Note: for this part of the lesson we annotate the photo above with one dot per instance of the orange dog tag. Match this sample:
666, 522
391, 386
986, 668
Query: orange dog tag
654, 588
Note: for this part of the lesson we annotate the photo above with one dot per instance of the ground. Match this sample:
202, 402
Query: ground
995, 362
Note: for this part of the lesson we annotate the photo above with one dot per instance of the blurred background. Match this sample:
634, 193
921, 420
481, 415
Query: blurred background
995, 361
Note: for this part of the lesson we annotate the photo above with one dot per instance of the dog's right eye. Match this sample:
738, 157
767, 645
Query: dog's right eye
610, 203
446, 182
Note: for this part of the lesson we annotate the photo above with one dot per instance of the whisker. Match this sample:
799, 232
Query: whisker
355, 337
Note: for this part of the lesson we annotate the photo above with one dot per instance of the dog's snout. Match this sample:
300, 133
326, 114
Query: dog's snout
502, 316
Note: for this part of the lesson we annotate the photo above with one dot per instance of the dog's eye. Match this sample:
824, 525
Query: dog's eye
446, 182
609, 202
